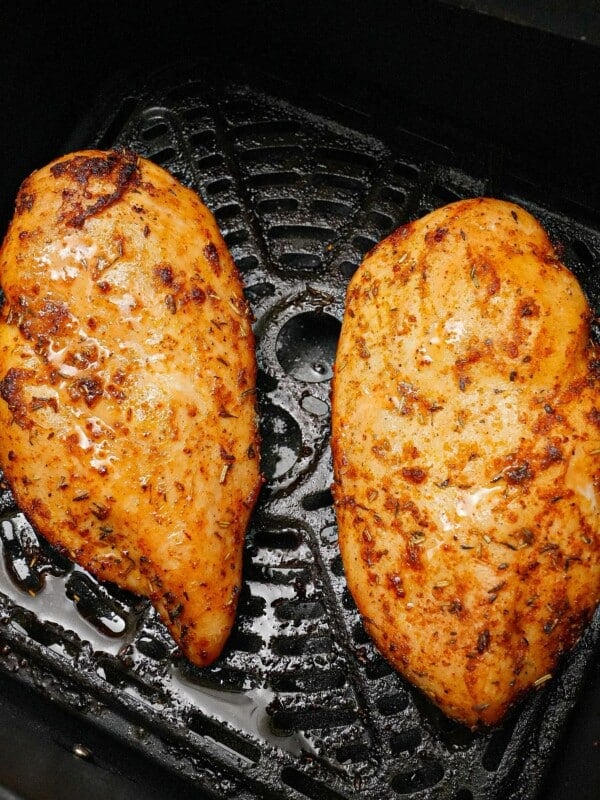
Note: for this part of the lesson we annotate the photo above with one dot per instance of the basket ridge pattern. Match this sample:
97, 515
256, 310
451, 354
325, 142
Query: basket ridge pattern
300, 704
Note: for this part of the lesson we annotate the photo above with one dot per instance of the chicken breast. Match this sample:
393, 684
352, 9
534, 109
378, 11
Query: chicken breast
466, 444
127, 367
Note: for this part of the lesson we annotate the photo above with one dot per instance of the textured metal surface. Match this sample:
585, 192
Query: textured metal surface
300, 705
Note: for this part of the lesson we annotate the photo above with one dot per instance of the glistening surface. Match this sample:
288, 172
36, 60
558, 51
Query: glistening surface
300, 704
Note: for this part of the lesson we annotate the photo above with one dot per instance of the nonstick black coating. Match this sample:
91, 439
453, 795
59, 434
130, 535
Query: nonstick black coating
300, 704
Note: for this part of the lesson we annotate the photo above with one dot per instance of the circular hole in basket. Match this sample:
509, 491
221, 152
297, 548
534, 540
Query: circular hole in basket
281, 441
306, 346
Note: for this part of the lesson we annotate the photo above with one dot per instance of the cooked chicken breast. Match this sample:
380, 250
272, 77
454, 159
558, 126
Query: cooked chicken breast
127, 372
466, 441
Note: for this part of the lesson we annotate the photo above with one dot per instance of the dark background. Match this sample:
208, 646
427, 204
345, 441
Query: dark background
534, 89
524, 76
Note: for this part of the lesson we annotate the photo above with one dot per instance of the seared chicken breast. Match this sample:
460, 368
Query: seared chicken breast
466, 444
127, 378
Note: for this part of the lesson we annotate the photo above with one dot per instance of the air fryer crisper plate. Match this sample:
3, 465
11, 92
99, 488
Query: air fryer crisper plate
300, 705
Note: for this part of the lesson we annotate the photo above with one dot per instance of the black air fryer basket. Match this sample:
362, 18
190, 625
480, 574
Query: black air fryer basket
300, 705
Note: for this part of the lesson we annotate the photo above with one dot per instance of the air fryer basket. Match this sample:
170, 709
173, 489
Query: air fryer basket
300, 705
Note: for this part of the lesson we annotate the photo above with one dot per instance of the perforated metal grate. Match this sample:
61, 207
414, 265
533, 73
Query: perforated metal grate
300, 705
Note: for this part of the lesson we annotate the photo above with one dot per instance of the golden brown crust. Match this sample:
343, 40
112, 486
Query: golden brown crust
127, 376
465, 442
